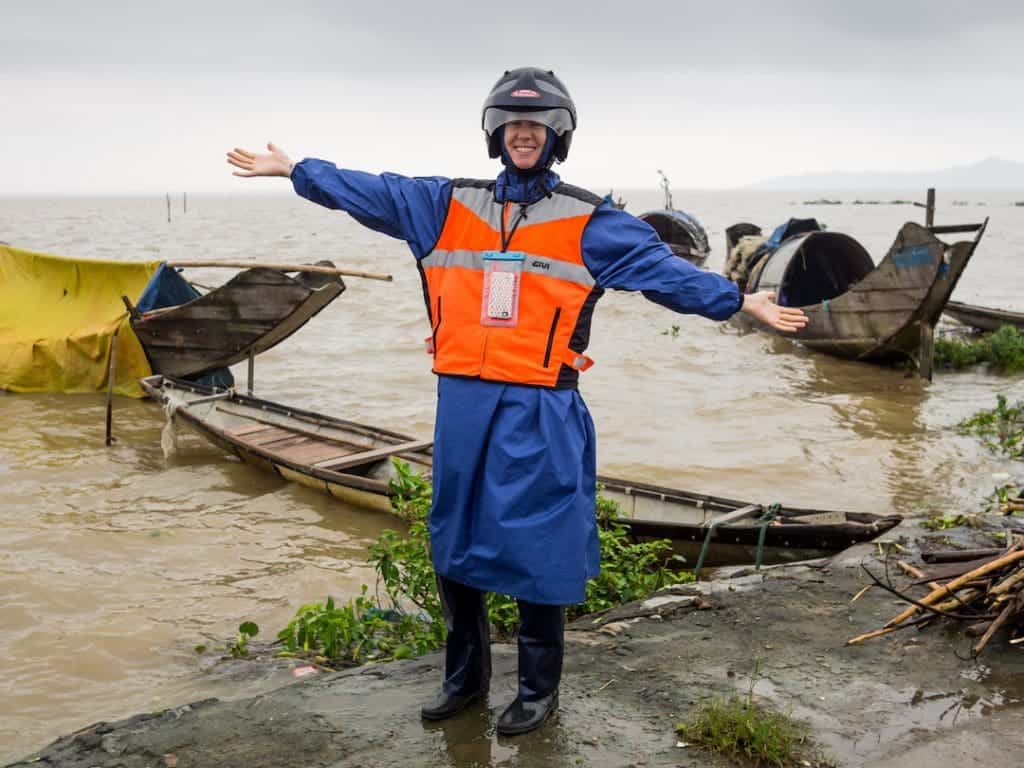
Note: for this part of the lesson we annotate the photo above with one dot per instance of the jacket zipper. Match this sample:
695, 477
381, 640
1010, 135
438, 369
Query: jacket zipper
437, 325
551, 336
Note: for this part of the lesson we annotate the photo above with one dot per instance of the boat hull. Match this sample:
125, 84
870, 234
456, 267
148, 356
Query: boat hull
983, 318
347, 460
680, 232
888, 313
352, 462
685, 518
254, 311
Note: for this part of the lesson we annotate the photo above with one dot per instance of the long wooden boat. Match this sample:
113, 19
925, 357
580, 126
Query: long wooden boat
353, 463
983, 318
858, 310
347, 460
790, 533
252, 312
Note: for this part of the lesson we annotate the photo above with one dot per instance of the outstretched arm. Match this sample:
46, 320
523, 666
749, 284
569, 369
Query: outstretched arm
624, 253
410, 209
276, 163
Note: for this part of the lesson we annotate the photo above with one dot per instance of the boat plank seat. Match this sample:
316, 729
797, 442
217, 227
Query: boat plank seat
246, 429
375, 455
737, 514
315, 451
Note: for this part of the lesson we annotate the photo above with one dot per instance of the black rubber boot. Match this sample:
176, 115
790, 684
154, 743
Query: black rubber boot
467, 658
541, 648
525, 716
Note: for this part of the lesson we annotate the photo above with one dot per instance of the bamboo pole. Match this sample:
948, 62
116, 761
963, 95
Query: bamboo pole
1006, 584
917, 573
111, 373
994, 627
949, 589
863, 591
283, 268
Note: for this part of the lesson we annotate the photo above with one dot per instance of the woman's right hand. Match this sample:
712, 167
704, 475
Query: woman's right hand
274, 163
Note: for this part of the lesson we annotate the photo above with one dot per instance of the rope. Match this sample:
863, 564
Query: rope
771, 514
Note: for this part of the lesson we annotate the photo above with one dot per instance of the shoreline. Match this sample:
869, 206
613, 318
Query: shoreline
631, 675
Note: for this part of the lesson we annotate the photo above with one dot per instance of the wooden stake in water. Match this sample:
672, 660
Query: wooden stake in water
168, 207
111, 374
929, 208
184, 202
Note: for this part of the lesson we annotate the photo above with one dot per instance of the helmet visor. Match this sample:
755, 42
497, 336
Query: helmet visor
558, 120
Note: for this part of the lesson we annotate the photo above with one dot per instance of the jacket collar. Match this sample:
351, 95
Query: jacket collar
513, 187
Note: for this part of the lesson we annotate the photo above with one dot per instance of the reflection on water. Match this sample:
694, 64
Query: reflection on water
123, 560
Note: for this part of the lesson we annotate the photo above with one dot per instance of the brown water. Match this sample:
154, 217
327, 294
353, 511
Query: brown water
116, 562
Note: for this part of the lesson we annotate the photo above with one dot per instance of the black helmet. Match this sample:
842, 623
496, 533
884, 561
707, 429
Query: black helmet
533, 94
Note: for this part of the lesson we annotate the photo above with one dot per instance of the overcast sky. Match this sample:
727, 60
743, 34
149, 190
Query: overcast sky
132, 97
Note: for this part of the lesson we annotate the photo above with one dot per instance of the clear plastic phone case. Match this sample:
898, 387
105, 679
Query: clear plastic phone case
503, 273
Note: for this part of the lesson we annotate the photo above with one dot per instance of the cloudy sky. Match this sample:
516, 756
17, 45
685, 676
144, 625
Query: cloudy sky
131, 97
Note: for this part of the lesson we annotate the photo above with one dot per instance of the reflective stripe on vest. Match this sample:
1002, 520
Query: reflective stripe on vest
556, 296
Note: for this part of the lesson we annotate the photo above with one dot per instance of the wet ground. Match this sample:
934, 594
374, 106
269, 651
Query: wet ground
909, 699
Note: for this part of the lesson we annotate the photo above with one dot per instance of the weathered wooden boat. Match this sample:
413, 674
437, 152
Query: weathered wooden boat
252, 312
856, 309
733, 528
983, 318
347, 460
679, 231
64, 328
352, 462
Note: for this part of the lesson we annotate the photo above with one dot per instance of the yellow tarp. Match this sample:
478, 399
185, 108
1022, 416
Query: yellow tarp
57, 321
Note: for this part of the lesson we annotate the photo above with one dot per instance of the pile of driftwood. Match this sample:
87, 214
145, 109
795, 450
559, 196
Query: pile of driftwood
982, 589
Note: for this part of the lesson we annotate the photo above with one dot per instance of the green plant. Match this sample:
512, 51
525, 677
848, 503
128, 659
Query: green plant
739, 728
940, 523
359, 631
404, 617
1001, 428
1003, 350
956, 353
246, 631
673, 332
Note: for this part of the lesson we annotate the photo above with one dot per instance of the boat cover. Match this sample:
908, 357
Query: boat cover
57, 320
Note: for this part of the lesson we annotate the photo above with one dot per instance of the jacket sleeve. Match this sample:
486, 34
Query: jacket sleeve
624, 253
410, 209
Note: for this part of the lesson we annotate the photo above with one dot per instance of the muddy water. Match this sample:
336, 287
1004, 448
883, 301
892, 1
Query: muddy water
116, 562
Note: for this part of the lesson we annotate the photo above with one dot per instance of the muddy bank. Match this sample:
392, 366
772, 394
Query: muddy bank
906, 699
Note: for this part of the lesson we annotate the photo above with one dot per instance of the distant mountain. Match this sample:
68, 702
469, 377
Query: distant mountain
991, 173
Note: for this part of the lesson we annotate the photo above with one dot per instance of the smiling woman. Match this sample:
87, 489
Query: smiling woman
525, 140
511, 272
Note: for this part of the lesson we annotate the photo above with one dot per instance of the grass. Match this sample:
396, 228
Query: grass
737, 727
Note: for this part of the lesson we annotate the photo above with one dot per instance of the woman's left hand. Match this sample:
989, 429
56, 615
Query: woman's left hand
761, 306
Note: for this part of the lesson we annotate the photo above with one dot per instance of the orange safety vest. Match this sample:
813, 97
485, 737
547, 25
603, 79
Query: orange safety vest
557, 293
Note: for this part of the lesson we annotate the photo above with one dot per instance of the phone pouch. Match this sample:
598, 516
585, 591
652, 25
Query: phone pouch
503, 272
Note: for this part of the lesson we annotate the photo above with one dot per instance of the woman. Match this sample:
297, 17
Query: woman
511, 270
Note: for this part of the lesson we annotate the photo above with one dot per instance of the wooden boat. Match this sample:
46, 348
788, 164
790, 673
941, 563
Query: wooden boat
347, 460
679, 231
983, 318
856, 309
252, 312
687, 518
353, 463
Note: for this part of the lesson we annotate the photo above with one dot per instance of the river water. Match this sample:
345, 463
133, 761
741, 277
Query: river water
116, 562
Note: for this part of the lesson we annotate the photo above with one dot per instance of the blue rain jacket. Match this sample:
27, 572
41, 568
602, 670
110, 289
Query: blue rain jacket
514, 473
